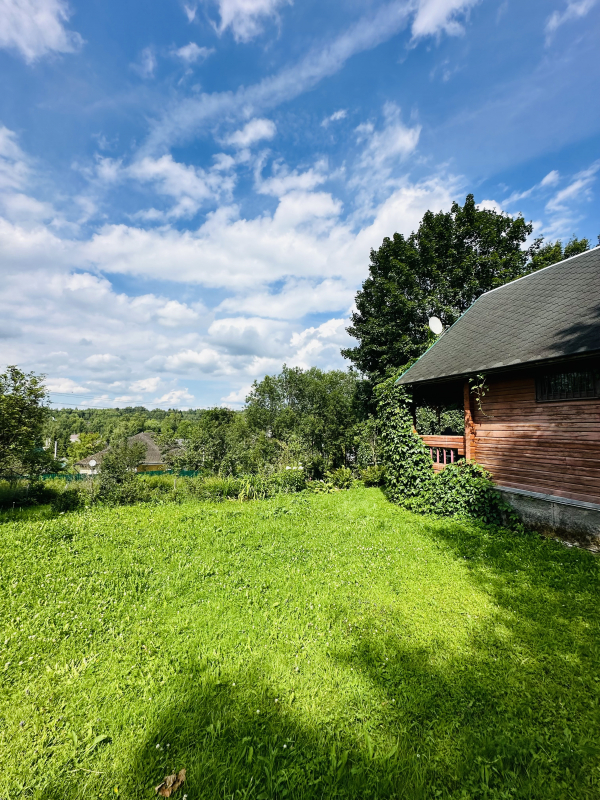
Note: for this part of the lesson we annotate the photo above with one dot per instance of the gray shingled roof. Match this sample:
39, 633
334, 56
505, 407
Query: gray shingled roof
550, 314
153, 454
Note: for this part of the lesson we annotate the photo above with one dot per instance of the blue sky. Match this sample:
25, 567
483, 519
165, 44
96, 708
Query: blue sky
189, 191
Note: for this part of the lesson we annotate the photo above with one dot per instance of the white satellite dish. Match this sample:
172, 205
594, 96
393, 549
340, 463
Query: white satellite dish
435, 325
92, 463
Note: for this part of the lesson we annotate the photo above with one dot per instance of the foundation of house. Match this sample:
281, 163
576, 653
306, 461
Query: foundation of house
550, 514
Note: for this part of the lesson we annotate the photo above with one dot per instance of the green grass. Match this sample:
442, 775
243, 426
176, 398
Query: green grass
301, 647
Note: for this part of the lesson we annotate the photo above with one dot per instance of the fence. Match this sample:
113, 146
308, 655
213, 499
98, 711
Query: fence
70, 476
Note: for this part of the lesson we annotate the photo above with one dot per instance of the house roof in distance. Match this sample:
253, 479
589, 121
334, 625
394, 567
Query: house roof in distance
153, 454
550, 314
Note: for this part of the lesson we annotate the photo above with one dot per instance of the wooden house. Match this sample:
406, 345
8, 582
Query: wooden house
533, 348
152, 462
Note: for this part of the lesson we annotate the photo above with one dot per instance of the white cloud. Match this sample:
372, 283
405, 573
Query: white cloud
14, 168
383, 147
102, 360
284, 181
190, 12
65, 386
551, 178
190, 186
16, 172
184, 118
245, 17
25, 210
271, 270
297, 298
146, 65
146, 385
176, 397
237, 397
577, 190
335, 117
36, 28
175, 314
576, 9
490, 205
191, 53
254, 131
247, 337
321, 345
203, 360
439, 16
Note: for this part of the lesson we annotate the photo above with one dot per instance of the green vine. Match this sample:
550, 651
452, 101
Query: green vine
460, 489
479, 388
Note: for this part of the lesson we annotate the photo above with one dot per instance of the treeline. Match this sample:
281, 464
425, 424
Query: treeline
302, 417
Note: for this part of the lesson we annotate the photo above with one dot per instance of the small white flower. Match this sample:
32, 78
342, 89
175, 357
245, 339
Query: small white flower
276, 700
288, 467
158, 747
257, 711
285, 746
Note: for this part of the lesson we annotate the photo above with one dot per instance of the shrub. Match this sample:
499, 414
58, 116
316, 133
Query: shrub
373, 476
288, 481
215, 488
463, 489
68, 500
23, 493
340, 478
322, 487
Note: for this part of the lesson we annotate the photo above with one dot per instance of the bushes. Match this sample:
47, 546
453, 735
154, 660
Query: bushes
68, 500
341, 478
22, 493
461, 489
373, 476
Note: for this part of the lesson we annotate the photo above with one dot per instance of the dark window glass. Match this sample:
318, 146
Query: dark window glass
567, 386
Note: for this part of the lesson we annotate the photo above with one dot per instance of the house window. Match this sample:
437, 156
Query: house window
567, 386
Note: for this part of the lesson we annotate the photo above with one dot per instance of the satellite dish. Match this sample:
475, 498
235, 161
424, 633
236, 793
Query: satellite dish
92, 462
435, 325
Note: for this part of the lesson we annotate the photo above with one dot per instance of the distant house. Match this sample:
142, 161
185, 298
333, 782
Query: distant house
154, 460
535, 424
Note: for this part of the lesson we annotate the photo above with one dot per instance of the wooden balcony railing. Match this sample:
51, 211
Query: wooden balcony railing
444, 449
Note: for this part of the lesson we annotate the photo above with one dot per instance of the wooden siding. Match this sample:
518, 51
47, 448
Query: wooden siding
553, 448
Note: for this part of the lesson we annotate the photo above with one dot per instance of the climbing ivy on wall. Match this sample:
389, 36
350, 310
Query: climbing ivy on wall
463, 488
409, 471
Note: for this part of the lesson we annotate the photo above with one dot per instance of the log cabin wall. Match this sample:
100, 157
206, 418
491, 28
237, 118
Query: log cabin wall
547, 447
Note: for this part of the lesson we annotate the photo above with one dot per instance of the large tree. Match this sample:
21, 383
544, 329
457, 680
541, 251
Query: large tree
23, 411
439, 270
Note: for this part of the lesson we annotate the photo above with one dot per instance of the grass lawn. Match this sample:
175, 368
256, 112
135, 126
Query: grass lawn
302, 647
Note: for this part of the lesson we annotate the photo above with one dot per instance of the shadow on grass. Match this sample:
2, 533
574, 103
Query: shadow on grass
515, 714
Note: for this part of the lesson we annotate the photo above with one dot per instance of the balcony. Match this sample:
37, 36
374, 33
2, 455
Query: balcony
444, 450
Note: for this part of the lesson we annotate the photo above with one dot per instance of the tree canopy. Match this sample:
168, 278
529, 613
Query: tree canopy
439, 270
23, 411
